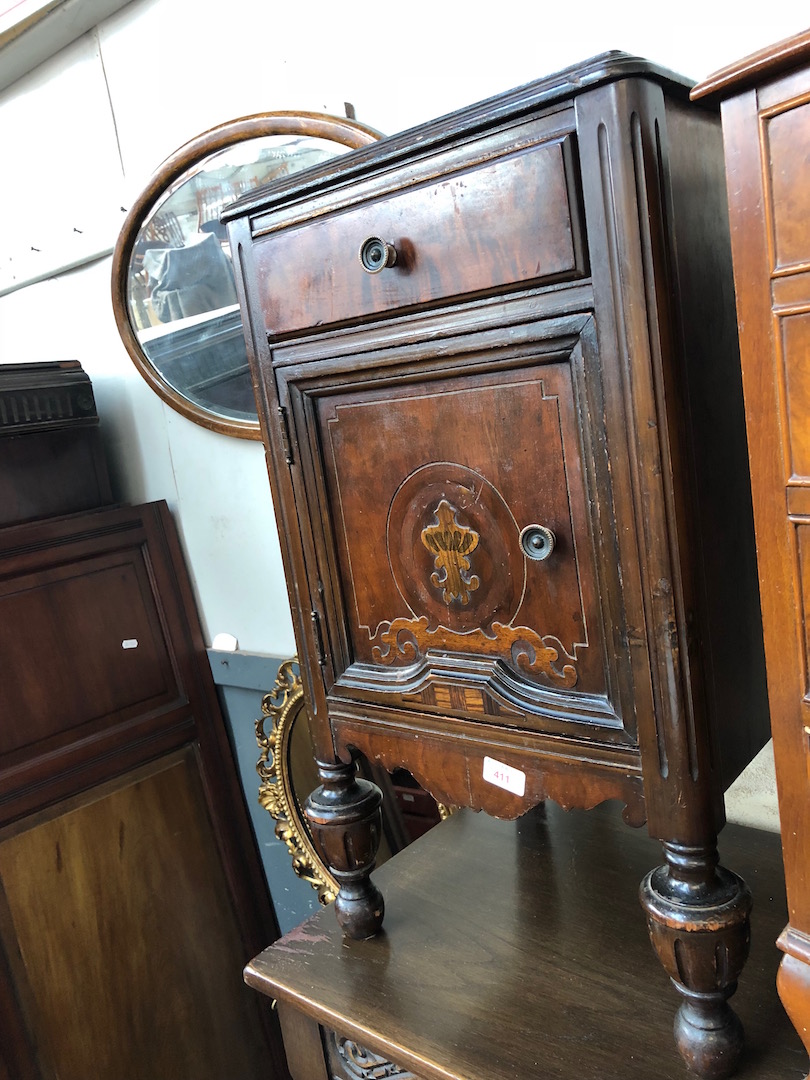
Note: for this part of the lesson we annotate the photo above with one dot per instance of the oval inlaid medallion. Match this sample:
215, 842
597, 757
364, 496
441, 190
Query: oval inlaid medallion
454, 549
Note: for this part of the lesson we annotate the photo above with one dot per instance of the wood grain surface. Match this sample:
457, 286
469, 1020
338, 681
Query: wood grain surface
518, 949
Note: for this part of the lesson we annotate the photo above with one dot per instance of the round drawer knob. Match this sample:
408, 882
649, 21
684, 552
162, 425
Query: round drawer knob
537, 542
376, 254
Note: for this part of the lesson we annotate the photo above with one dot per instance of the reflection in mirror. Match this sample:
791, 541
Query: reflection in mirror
288, 774
173, 285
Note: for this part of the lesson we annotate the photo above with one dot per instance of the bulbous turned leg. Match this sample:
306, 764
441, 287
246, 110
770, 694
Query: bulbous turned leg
346, 823
698, 918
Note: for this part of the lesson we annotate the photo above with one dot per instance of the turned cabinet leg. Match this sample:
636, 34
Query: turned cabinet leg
346, 823
698, 918
793, 984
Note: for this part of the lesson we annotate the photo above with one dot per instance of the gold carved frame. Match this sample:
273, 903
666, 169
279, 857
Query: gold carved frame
281, 773
284, 707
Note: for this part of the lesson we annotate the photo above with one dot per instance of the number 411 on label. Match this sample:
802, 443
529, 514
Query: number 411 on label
504, 776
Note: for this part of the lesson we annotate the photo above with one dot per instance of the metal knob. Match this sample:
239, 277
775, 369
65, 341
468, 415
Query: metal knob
537, 542
376, 254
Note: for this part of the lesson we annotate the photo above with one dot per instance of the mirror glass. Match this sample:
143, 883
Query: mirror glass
173, 282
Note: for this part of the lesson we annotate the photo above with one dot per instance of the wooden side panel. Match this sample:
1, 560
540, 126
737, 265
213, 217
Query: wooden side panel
127, 936
771, 244
304, 1045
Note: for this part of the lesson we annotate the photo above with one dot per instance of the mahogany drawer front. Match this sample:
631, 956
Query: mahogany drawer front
510, 222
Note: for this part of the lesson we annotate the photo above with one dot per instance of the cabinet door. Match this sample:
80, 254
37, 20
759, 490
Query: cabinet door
454, 498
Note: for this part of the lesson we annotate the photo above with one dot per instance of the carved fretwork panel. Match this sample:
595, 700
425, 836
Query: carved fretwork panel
349, 1060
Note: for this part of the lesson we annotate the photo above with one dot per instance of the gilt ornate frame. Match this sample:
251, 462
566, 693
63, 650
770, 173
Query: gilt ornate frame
284, 706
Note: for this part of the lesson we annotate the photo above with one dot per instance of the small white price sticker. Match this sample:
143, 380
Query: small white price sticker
504, 776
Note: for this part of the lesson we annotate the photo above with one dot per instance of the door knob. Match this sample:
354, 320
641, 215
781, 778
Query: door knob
376, 254
537, 542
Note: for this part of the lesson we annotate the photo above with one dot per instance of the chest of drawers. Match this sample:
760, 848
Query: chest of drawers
499, 388
766, 129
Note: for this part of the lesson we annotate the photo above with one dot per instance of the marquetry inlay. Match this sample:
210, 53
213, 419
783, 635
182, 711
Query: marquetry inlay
451, 543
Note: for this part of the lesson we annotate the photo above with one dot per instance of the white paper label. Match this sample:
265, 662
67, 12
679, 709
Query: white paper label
130, 643
504, 776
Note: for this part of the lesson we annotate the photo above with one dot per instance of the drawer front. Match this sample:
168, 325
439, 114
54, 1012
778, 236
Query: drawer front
511, 222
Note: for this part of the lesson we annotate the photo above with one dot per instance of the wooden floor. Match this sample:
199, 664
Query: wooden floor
518, 951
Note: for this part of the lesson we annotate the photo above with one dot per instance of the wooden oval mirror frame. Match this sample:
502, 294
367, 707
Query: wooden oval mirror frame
182, 333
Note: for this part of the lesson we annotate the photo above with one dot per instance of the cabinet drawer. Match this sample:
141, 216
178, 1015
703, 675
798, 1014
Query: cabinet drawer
505, 223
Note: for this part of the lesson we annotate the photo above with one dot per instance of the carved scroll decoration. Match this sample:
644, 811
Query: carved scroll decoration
464, 523
358, 1063
284, 706
406, 638
451, 543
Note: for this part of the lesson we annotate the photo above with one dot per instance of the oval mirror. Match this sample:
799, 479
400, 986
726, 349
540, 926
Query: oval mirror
173, 289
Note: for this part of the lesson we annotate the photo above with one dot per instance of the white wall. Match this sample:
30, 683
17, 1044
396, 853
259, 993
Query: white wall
81, 134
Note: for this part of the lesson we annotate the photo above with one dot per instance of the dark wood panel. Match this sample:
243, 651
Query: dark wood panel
121, 913
100, 650
51, 454
132, 892
56, 472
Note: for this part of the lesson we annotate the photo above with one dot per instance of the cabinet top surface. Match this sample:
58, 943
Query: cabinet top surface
474, 119
767, 63
519, 948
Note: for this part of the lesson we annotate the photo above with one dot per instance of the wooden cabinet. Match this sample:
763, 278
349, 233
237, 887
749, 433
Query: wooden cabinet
766, 128
131, 893
497, 366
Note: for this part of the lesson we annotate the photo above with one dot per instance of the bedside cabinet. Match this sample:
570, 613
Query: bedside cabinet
766, 128
497, 367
